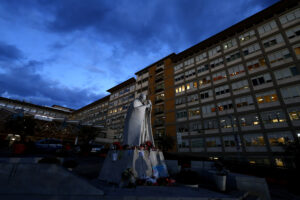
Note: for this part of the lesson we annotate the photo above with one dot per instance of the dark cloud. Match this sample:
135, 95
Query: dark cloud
25, 84
9, 52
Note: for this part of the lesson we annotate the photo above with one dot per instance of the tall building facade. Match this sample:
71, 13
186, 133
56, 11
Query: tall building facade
238, 92
119, 100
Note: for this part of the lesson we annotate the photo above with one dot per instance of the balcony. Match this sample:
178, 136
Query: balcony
160, 89
159, 70
159, 100
159, 123
159, 79
158, 111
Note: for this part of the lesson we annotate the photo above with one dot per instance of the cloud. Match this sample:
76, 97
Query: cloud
9, 52
24, 83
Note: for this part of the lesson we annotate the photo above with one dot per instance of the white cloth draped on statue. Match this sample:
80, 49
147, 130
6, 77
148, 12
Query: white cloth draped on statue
137, 128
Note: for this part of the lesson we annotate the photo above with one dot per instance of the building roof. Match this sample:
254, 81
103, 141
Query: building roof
122, 85
106, 98
237, 28
145, 68
62, 108
34, 105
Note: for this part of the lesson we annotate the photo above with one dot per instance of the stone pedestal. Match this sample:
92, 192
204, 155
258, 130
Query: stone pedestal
143, 163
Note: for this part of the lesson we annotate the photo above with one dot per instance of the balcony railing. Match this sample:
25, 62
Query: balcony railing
159, 70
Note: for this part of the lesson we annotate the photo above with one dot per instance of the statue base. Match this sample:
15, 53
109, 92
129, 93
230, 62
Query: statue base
142, 163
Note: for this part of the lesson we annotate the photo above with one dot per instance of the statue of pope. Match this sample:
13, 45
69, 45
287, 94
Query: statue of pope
137, 129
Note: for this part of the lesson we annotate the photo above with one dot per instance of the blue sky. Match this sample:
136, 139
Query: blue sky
69, 52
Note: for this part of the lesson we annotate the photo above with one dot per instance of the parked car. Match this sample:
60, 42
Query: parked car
96, 148
49, 145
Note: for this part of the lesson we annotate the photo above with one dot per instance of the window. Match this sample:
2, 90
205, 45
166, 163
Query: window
216, 63
261, 79
267, 27
247, 36
290, 92
201, 57
219, 76
236, 70
214, 51
203, 68
224, 89
189, 62
254, 140
184, 144
211, 124
180, 101
294, 113
229, 44
274, 116
286, 73
244, 101
251, 49
207, 109
279, 56
229, 141
266, 97
196, 126
190, 73
206, 94
280, 138
293, 32
197, 143
272, 41
213, 142
191, 85
228, 122
194, 112
179, 77
224, 105
240, 85
291, 16
181, 114
180, 89
204, 81
249, 120
192, 98
297, 50
178, 67
254, 64
233, 56
182, 128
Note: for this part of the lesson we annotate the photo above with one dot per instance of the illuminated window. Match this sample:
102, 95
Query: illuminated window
294, 113
204, 81
219, 76
279, 162
213, 142
244, 101
280, 138
266, 97
229, 44
249, 120
254, 140
227, 122
236, 70
240, 85
191, 85
224, 105
247, 36
194, 112
180, 89
275, 116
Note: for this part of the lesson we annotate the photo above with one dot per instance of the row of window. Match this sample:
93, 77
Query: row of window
257, 139
249, 120
280, 74
262, 30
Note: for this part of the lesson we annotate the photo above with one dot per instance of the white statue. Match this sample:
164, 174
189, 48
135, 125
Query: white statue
137, 128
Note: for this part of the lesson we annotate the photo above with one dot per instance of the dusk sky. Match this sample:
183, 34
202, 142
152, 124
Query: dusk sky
69, 52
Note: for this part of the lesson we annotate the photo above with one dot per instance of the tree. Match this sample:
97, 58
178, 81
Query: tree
21, 125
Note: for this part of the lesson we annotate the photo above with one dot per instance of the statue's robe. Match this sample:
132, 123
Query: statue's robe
137, 128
